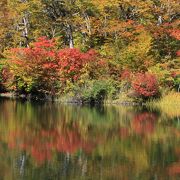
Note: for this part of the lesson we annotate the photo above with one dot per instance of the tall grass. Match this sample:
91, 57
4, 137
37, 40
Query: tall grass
169, 104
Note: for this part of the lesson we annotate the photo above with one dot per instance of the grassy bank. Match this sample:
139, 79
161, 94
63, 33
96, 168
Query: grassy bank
169, 104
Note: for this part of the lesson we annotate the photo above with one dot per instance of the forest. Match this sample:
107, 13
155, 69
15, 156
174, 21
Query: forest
90, 50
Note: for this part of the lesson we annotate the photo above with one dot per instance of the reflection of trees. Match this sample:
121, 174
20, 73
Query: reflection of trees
143, 123
74, 141
174, 168
41, 144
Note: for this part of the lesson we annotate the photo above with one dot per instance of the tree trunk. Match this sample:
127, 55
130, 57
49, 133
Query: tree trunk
25, 32
70, 36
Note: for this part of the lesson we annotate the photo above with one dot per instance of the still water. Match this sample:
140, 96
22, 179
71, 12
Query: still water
44, 141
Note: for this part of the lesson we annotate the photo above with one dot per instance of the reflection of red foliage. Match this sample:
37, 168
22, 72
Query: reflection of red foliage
124, 132
177, 151
41, 154
144, 123
69, 143
174, 169
41, 144
176, 132
178, 53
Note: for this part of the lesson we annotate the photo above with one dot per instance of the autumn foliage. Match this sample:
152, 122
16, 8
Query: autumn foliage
145, 85
42, 68
35, 68
42, 144
143, 123
72, 61
175, 33
86, 41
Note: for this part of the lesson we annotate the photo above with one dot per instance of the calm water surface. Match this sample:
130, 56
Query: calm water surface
44, 141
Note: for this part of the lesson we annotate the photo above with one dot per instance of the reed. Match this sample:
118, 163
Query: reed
169, 104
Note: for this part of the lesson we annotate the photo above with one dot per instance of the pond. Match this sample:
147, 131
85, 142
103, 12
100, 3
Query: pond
40, 141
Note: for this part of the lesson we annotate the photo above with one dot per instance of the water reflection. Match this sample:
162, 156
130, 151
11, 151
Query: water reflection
53, 141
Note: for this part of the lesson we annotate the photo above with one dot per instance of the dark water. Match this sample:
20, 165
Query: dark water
52, 141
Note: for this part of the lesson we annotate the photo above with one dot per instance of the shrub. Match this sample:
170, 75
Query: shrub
93, 91
126, 75
167, 74
145, 85
5, 77
163, 76
72, 61
35, 69
96, 91
176, 78
43, 69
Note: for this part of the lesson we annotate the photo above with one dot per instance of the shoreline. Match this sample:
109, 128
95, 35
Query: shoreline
9, 95
65, 100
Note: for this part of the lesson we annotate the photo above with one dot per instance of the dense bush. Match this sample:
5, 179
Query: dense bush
167, 74
146, 85
124, 35
92, 91
35, 68
43, 69
99, 90
4, 76
164, 76
176, 76
73, 63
